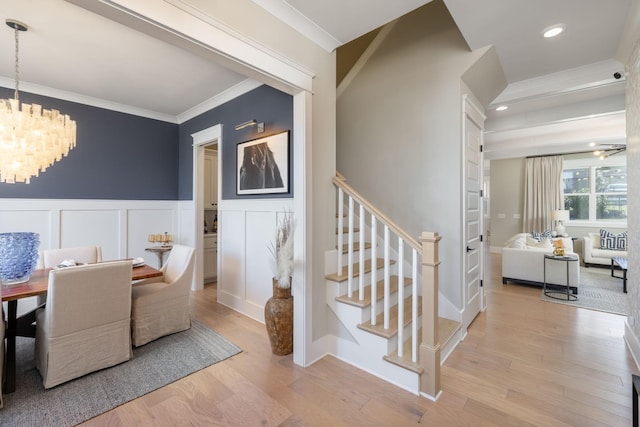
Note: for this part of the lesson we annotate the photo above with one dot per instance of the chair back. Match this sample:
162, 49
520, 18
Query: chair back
87, 296
83, 254
179, 266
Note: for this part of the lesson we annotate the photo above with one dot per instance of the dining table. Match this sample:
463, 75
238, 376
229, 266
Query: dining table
24, 326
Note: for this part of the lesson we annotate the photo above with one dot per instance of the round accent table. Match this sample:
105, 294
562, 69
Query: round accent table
556, 294
159, 251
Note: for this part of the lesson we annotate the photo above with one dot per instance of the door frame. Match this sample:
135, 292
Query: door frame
208, 136
473, 112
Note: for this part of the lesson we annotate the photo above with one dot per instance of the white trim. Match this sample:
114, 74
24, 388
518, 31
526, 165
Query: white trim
177, 22
204, 137
222, 98
86, 100
632, 342
211, 103
292, 17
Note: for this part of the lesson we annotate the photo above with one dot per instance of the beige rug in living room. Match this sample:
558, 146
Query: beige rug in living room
598, 291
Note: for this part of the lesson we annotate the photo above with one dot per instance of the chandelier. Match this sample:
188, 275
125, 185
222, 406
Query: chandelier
31, 138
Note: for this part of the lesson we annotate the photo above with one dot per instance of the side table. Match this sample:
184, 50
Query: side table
550, 293
159, 251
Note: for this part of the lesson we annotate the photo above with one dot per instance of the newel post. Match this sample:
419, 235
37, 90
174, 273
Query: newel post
430, 345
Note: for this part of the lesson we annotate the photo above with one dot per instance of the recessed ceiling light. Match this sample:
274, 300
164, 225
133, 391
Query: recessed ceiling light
592, 144
553, 30
501, 108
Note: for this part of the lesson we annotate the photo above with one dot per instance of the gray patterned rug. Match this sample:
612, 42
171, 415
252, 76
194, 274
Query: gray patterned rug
153, 365
598, 291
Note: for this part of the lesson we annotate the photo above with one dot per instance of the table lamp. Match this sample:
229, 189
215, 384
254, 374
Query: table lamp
560, 216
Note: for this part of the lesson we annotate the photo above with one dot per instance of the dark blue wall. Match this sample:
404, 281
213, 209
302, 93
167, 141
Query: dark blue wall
122, 156
117, 156
265, 104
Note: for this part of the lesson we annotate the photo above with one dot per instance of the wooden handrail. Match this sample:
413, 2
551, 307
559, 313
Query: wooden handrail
340, 182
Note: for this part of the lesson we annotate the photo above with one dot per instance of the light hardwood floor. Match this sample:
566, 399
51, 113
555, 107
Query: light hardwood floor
524, 362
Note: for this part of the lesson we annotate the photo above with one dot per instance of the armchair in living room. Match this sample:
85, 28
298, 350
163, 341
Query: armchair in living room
594, 253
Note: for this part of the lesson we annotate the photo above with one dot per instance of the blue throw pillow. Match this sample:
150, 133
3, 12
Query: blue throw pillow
541, 235
613, 241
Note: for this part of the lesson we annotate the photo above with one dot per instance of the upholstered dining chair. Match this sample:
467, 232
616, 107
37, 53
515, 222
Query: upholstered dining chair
86, 323
160, 306
2, 329
50, 258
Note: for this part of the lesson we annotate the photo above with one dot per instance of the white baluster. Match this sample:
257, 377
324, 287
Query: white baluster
340, 228
414, 308
374, 271
400, 296
361, 278
387, 307
350, 251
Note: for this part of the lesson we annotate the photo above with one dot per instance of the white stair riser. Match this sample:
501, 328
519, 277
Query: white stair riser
356, 256
393, 299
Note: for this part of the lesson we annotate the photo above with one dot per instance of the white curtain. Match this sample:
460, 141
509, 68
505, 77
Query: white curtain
542, 192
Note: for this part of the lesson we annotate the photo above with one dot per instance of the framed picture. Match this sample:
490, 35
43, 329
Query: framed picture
263, 165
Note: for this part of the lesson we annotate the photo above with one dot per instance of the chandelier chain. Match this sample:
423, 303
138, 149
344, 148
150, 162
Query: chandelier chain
15, 94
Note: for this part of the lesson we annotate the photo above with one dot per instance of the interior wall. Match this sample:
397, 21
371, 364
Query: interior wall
507, 199
117, 156
265, 104
399, 131
632, 334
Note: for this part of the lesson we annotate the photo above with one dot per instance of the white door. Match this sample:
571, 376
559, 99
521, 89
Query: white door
473, 293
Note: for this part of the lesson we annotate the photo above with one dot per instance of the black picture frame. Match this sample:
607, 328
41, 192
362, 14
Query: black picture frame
263, 165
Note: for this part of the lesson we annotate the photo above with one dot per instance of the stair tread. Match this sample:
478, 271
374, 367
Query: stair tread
346, 230
379, 329
356, 270
393, 287
356, 247
446, 330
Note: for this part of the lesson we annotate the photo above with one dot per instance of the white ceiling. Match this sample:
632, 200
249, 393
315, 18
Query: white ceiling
70, 49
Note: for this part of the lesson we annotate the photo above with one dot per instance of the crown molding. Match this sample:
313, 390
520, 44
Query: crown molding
292, 17
86, 100
222, 98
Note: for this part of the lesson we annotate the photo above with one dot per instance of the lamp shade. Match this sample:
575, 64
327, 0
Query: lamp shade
560, 215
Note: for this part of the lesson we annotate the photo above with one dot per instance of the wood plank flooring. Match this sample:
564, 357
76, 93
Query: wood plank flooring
524, 362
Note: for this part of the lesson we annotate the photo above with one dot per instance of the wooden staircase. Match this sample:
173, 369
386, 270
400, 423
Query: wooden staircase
385, 333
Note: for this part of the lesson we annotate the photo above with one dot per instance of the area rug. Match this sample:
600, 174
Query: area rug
598, 291
153, 365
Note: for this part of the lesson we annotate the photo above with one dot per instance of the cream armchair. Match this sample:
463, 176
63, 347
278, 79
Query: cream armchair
86, 324
160, 306
50, 258
2, 329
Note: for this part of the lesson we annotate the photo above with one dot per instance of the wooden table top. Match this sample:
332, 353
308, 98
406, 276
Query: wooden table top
39, 282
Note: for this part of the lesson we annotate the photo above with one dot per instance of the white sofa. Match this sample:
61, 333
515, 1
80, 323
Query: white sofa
524, 263
594, 255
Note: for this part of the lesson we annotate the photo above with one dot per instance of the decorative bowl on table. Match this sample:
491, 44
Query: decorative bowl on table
18, 256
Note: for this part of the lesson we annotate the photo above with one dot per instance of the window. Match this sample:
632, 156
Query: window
595, 190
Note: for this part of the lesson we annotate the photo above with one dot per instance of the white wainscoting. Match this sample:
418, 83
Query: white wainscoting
246, 229
119, 227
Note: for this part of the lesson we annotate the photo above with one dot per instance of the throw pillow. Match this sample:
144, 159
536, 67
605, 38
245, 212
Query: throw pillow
613, 241
541, 235
544, 243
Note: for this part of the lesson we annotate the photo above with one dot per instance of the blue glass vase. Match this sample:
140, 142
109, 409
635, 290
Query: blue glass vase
18, 256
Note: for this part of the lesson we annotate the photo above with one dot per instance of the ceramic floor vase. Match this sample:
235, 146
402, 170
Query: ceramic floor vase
278, 316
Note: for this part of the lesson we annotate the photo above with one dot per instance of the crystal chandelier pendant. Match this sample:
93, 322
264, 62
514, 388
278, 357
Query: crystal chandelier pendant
31, 138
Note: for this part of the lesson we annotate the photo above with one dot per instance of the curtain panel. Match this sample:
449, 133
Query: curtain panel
542, 192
